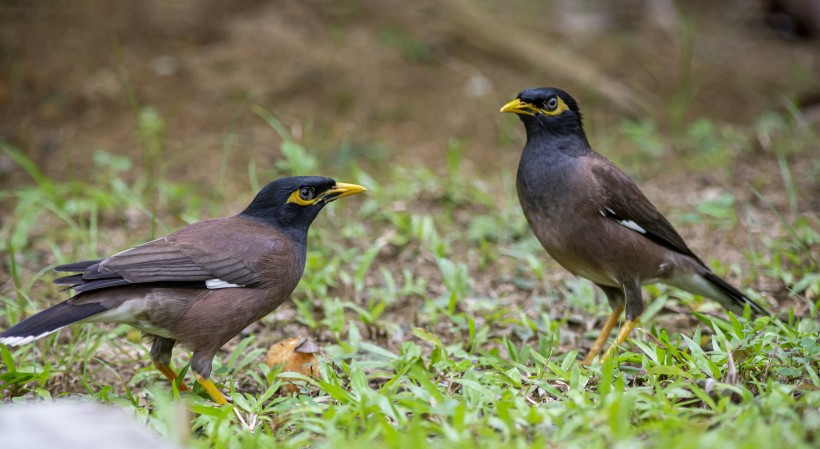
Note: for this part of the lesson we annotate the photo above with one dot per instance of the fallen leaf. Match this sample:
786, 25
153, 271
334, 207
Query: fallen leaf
297, 355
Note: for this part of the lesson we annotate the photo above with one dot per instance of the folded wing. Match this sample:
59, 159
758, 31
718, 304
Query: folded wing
225, 249
627, 205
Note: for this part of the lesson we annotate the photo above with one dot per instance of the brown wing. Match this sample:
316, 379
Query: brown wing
225, 248
626, 204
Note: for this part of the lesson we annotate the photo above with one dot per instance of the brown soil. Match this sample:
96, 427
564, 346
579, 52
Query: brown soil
368, 74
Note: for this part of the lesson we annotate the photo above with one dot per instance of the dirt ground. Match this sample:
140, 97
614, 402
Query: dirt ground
392, 81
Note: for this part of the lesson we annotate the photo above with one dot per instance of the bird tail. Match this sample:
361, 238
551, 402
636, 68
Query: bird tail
734, 294
708, 284
48, 321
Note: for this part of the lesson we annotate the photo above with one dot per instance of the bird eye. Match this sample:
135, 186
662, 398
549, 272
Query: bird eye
552, 103
306, 193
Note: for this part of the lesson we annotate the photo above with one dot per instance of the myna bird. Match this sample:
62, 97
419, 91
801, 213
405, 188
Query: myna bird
594, 221
201, 285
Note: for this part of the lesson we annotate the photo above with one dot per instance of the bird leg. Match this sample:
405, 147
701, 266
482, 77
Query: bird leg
161, 356
601, 340
171, 375
622, 334
201, 362
634, 309
214, 392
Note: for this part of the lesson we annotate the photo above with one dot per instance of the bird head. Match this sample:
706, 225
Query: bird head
546, 109
293, 203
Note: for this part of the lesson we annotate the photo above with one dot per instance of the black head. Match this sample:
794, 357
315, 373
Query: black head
547, 109
293, 203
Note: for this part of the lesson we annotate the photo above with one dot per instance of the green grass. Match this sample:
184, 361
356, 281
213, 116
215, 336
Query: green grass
441, 320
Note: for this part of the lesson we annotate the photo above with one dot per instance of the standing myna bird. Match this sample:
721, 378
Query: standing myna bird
594, 221
201, 285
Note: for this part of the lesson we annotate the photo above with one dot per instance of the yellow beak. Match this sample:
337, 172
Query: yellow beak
341, 190
519, 107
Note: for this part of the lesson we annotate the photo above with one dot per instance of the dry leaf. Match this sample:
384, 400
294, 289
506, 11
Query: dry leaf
297, 355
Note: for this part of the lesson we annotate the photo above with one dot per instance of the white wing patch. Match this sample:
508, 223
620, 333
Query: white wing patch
632, 225
627, 223
214, 284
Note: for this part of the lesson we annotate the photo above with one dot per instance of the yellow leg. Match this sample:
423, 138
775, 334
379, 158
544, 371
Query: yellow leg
171, 375
624, 332
214, 392
601, 340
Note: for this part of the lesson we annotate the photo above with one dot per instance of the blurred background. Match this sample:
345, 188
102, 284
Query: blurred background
121, 121
383, 82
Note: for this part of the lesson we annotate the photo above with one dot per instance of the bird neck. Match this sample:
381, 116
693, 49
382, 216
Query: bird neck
545, 171
547, 161
542, 126
297, 233
541, 142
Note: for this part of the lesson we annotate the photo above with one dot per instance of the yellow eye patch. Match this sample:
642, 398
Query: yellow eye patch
296, 197
559, 108
518, 106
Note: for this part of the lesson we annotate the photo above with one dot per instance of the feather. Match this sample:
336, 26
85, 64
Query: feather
77, 266
50, 320
214, 284
626, 204
734, 294
183, 258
